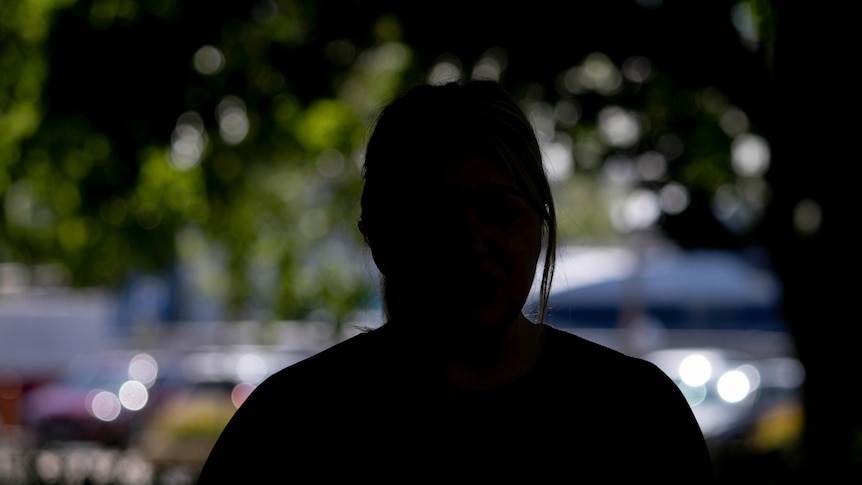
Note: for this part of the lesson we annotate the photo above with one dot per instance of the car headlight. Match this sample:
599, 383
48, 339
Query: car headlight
695, 370
705, 373
734, 385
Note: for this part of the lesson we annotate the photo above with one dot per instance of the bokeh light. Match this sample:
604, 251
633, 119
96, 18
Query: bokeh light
733, 386
619, 127
750, 155
252, 368
240, 393
133, 395
695, 370
651, 165
188, 141
232, 119
491, 65
807, 217
673, 198
103, 405
637, 69
208, 60
144, 368
448, 68
639, 210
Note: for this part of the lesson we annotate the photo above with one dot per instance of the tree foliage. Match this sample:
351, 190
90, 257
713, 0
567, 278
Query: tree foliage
144, 134
149, 134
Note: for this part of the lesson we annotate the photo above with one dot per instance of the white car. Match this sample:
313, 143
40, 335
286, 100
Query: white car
710, 319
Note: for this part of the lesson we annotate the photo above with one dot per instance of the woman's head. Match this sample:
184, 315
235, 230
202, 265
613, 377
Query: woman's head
456, 201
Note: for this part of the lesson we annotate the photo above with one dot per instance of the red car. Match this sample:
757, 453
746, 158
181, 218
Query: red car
104, 397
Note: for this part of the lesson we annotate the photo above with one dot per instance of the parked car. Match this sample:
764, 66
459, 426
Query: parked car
103, 397
216, 380
710, 319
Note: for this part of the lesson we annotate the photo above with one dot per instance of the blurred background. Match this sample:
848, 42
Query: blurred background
179, 185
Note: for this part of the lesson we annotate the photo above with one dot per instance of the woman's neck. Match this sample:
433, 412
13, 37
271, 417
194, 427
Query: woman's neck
496, 359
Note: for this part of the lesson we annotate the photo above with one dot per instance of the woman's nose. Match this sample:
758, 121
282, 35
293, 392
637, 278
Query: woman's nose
473, 231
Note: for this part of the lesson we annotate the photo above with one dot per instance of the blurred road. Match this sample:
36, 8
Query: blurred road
82, 463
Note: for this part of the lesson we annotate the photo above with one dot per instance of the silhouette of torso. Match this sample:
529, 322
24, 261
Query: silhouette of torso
373, 408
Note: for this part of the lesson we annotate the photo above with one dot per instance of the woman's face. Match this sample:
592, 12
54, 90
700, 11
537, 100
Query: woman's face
471, 245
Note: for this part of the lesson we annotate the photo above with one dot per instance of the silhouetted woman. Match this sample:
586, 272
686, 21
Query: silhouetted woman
459, 383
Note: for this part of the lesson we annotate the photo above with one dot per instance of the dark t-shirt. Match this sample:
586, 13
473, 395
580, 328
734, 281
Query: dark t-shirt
370, 408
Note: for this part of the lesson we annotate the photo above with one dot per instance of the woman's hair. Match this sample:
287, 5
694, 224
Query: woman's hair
433, 122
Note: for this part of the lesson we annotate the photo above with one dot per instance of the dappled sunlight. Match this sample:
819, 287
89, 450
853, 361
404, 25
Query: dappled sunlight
188, 141
619, 127
639, 210
331, 163
448, 68
18, 203
750, 155
567, 112
391, 56
643, 165
651, 166
598, 73
491, 65
558, 157
208, 60
673, 198
232, 119
807, 217
742, 16
734, 121
637, 69
313, 223
741, 205
620, 170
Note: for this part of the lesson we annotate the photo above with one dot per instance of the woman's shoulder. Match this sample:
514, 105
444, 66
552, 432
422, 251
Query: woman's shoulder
343, 356
358, 360
566, 343
621, 384
566, 350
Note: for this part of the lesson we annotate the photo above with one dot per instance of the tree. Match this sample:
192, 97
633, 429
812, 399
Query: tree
142, 133
809, 229
147, 132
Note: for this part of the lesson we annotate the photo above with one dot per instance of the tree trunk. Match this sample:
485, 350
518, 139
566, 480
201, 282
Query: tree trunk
814, 156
